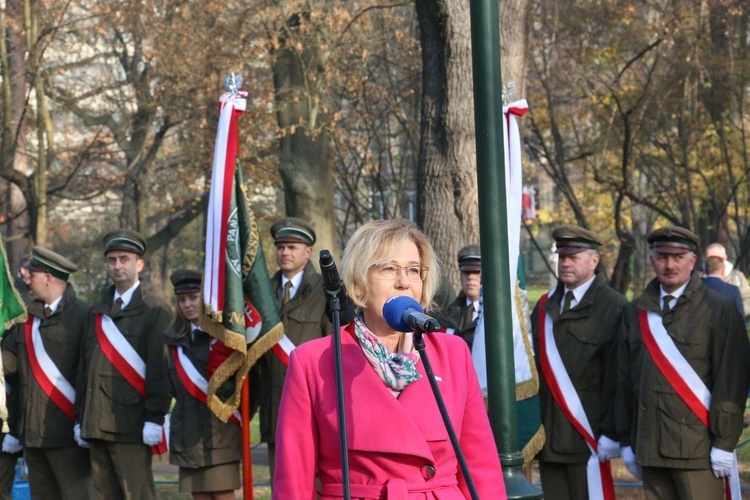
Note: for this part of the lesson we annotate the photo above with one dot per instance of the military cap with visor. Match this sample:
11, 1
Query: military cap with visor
124, 240
44, 260
570, 239
186, 281
470, 258
292, 230
673, 240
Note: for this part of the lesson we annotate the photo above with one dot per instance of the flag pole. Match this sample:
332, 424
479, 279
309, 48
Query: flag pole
247, 463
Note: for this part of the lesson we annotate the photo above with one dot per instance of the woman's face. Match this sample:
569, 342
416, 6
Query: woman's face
402, 254
189, 304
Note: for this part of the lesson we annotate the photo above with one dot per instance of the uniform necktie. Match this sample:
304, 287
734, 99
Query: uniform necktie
47, 311
468, 318
287, 293
117, 307
666, 308
568, 301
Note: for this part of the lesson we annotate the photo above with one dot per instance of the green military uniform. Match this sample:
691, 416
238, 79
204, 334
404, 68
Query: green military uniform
58, 467
460, 315
651, 417
200, 444
460, 319
304, 318
9, 461
111, 411
585, 336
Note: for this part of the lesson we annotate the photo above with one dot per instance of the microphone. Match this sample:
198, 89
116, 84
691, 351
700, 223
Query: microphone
333, 285
404, 314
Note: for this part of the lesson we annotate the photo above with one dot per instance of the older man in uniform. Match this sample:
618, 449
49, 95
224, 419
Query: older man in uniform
302, 302
462, 314
124, 389
574, 329
44, 355
683, 364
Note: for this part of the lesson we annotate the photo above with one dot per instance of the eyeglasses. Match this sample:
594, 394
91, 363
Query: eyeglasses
392, 271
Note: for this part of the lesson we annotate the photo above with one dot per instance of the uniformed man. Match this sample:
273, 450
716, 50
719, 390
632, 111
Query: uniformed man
574, 329
682, 385
124, 390
301, 301
43, 355
462, 314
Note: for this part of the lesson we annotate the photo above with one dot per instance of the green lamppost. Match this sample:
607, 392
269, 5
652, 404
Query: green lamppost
493, 231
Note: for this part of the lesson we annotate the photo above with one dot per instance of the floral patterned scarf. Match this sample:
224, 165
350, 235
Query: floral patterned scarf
396, 370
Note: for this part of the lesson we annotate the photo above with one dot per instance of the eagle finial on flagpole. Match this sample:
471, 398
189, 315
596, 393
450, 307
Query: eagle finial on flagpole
233, 83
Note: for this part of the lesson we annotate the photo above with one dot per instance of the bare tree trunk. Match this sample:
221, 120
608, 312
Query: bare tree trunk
13, 127
447, 207
305, 153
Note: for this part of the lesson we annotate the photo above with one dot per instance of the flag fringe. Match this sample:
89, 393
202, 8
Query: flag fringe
527, 388
212, 323
238, 364
534, 446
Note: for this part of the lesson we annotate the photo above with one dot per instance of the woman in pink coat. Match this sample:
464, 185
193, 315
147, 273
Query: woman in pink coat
397, 442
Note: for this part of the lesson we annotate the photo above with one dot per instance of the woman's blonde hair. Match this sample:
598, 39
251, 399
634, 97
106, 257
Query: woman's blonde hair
368, 246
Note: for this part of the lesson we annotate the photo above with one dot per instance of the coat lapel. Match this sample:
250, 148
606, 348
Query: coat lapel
385, 424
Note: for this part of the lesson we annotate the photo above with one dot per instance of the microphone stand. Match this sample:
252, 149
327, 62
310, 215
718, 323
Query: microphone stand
335, 307
420, 346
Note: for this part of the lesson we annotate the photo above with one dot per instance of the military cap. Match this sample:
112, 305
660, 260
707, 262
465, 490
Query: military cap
125, 240
186, 281
470, 258
292, 230
571, 239
672, 239
44, 260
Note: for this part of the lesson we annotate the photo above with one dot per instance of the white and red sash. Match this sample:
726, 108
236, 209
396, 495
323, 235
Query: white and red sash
127, 362
46, 373
683, 379
283, 349
599, 474
195, 383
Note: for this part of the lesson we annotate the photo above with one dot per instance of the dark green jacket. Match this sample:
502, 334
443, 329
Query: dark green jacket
40, 423
453, 318
197, 438
109, 408
651, 417
304, 319
586, 339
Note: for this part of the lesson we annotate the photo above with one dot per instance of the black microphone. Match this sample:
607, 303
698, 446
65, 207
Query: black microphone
333, 285
404, 314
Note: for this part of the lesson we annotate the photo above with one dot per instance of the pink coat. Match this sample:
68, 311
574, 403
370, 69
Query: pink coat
398, 448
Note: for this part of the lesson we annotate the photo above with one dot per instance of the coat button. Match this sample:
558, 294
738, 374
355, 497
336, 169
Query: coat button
428, 472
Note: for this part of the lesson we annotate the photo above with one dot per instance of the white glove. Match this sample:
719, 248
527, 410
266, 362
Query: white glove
631, 463
151, 434
11, 444
721, 462
77, 436
608, 449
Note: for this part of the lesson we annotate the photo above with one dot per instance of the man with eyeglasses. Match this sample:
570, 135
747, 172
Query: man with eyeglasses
302, 302
44, 355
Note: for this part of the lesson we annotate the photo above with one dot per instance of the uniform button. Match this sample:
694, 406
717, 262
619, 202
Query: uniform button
428, 472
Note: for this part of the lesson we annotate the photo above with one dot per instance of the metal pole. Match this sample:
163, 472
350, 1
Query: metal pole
493, 230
